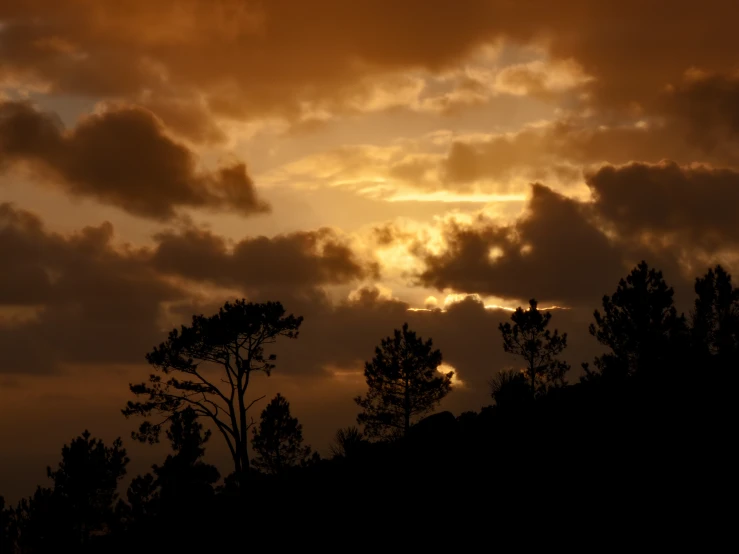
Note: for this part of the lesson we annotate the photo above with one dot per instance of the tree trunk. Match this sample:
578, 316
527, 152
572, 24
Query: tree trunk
241, 466
533, 379
242, 383
407, 406
244, 468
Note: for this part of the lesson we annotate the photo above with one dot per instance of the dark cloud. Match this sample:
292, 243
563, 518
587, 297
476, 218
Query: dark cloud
123, 158
569, 252
185, 116
243, 56
105, 304
695, 206
561, 150
92, 300
552, 253
707, 105
95, 303
303, 259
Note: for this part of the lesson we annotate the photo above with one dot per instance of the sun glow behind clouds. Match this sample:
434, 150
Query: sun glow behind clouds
450, 197
491, 303
446, 368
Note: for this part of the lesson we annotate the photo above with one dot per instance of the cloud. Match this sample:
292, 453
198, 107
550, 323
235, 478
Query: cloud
552, 253
540, 79
185, 116
101, 303
490, 167
559, 151
86, 298
693, 206
707, 105
257, 59
570, 252
122, 158
242, 55
93, 302
298, 260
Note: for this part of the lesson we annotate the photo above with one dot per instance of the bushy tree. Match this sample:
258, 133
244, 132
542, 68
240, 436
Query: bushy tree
530, 339
278, 440
81, 503
6, 538
183, 480
143, 498
639, 324
404, 384
208, 366
509, 388
184, 477
87, 479
715, 319
42, 523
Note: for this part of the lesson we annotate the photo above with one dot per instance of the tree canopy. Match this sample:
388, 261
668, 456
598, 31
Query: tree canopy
278, 440
639, 324
530, 339
183, 479
715, 319
404, 383
81, 502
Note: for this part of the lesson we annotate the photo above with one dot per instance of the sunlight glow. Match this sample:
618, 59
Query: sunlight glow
495, 253
455, 298
446, 368
450, 197
431, 302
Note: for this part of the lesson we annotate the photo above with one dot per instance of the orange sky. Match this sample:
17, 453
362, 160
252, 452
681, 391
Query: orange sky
351, 159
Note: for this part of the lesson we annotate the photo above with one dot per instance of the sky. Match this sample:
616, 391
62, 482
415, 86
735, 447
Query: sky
366, 163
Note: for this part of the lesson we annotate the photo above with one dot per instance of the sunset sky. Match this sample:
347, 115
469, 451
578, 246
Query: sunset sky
365, 162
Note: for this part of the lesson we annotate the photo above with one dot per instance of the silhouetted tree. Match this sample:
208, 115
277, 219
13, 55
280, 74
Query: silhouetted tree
182, 482
143, 498
184, 477
639, 324
403, 384
510, 388
347, 442
87, 479
41, 523
6, 540
278, 440
233, 339
81, 503
715, 319
537, 345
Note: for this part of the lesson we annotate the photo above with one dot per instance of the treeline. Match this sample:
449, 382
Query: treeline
643, 441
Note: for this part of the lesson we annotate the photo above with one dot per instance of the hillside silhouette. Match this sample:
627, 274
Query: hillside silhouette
641, 444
